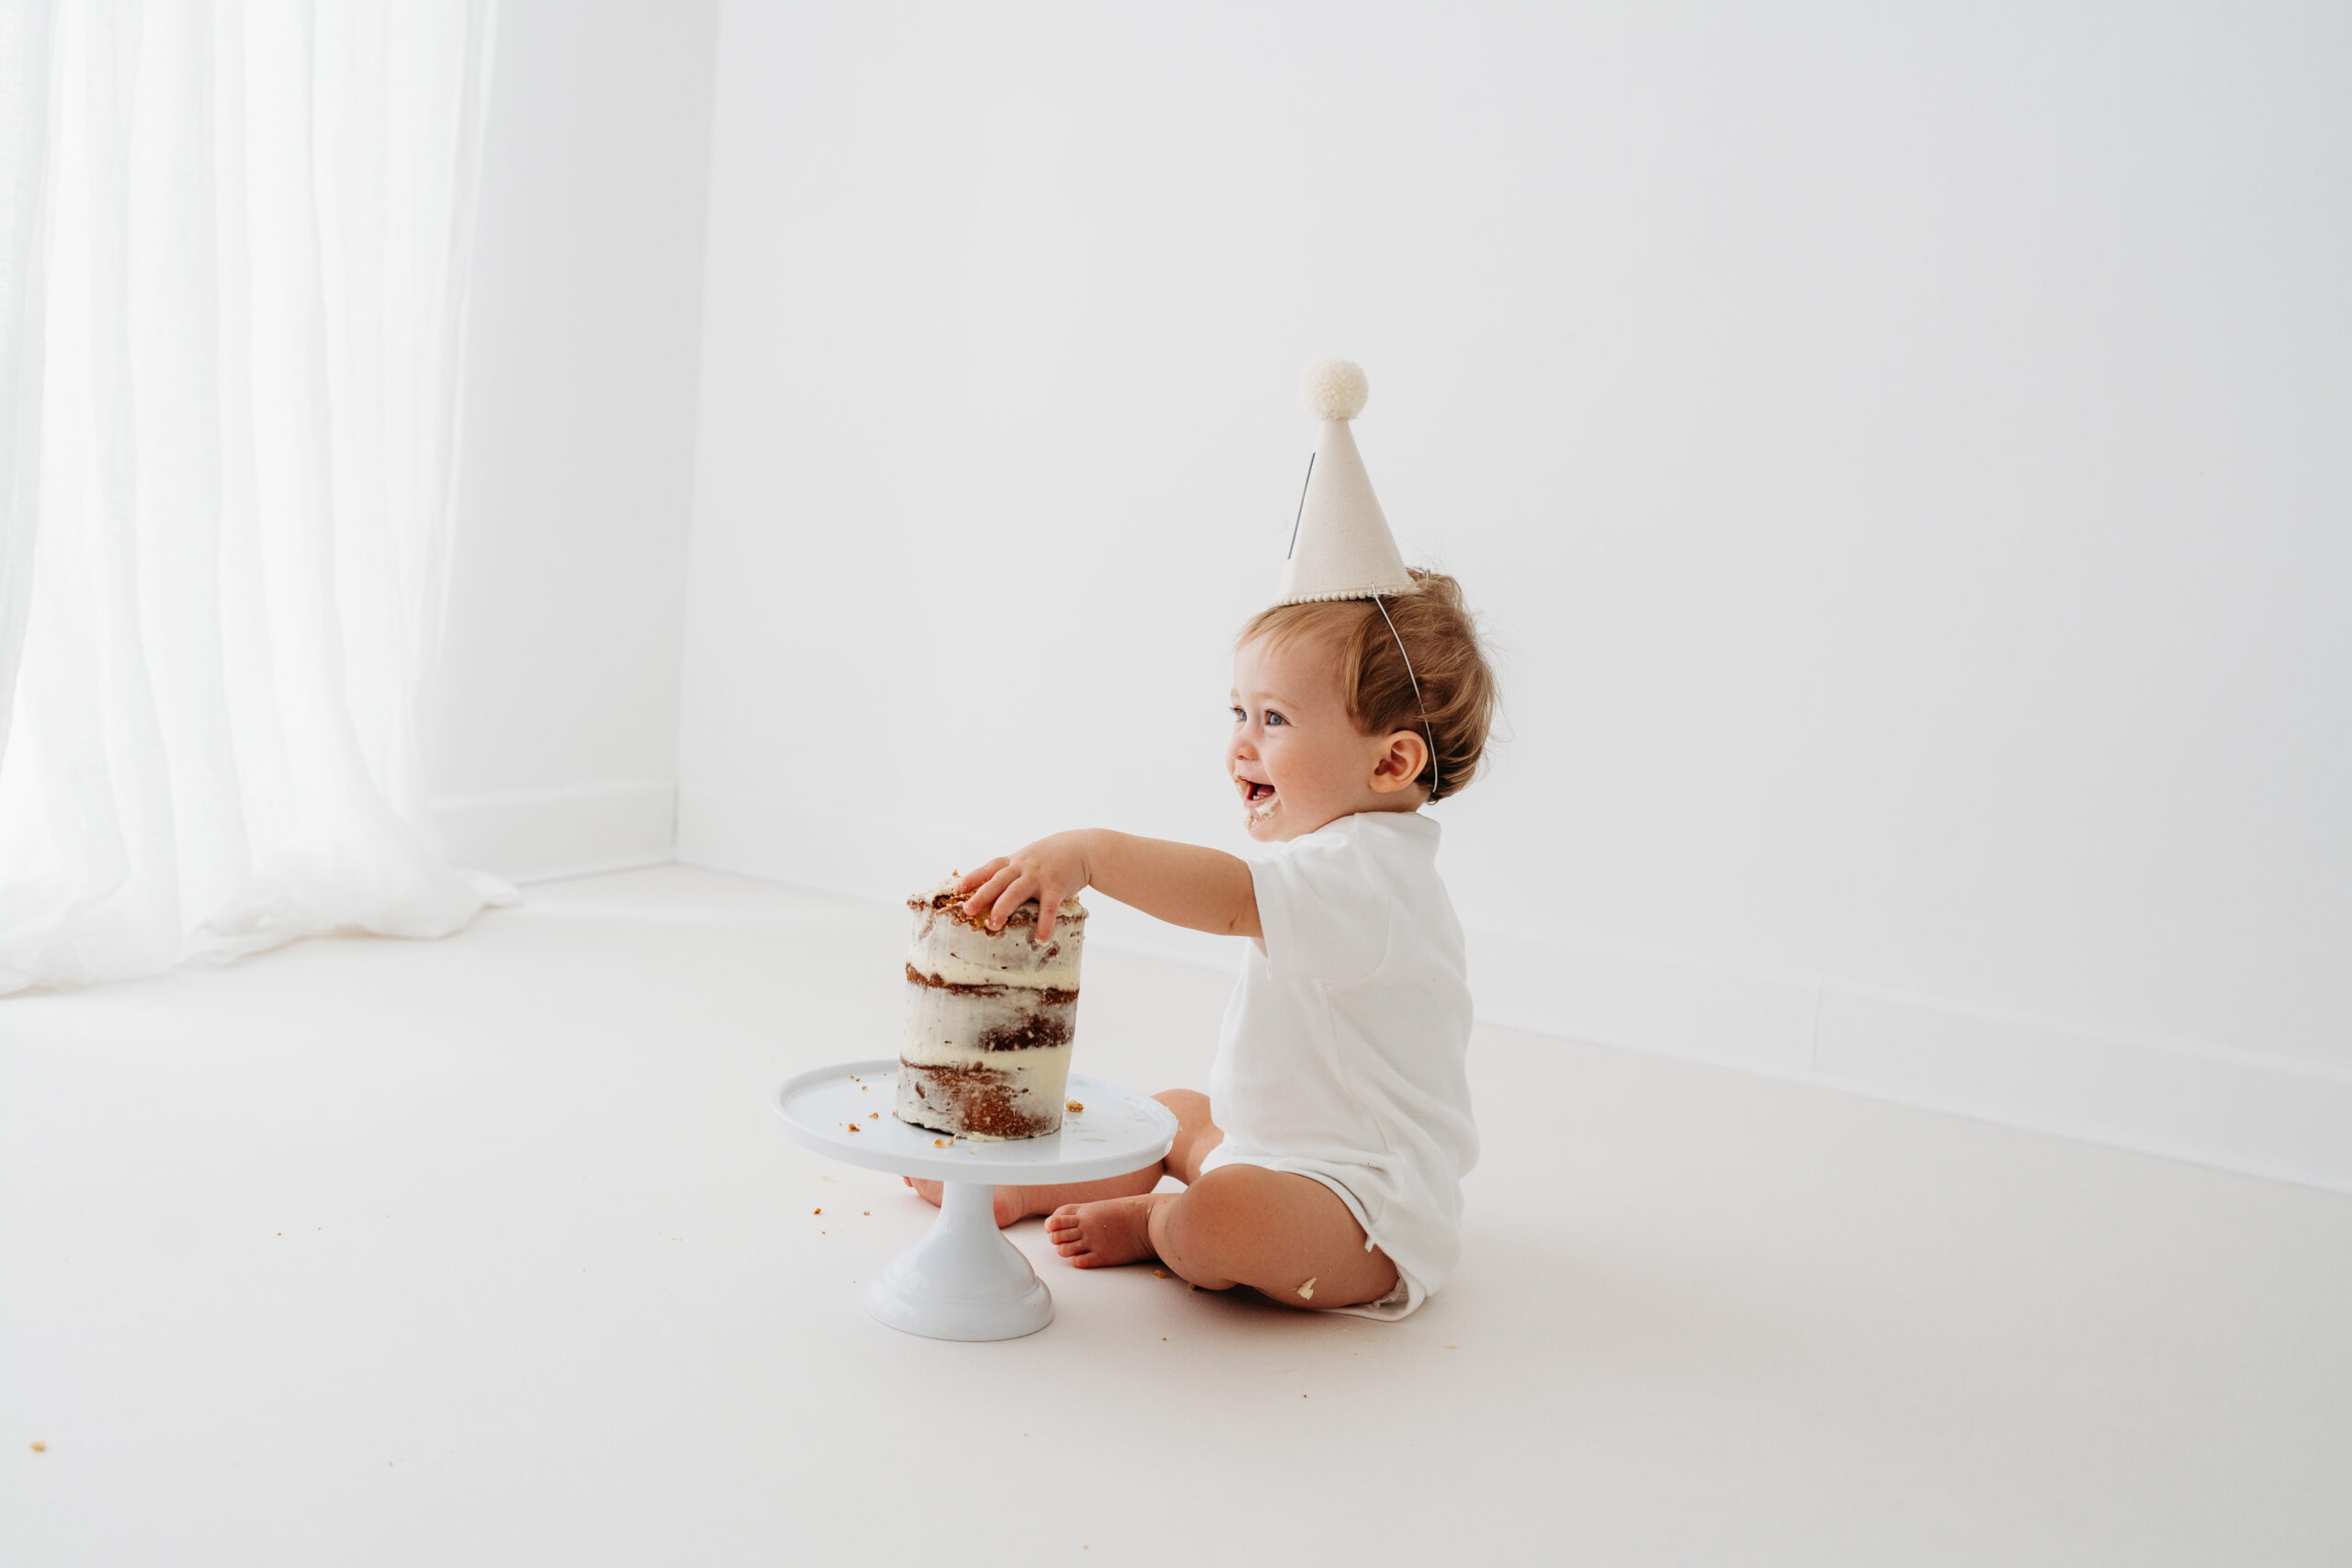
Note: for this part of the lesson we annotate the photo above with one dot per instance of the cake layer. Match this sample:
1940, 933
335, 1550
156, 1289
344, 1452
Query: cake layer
1008, 1095
951, 945
952, 1022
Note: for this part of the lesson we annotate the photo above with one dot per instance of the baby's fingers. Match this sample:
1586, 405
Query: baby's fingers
1022, 889
972, 879
1049, 900
981, 902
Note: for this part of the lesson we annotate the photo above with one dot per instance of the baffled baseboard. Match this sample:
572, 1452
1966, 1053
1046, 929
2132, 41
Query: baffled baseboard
2264, 1115
537, 835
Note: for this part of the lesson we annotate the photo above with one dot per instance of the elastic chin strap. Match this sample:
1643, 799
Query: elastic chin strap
1437, 780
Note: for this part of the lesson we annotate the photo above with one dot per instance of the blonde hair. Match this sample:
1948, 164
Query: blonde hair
1438, 633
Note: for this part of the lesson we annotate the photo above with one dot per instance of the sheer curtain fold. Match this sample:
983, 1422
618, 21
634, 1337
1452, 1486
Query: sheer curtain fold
24, 27
232, 251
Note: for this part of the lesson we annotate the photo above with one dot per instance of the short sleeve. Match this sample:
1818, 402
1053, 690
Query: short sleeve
1324, 913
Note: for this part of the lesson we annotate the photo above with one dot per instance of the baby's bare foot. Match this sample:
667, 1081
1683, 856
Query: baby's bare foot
1103, 1235
1019, 1202
1010, 1202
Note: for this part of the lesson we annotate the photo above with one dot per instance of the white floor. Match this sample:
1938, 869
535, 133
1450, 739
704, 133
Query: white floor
490, 1251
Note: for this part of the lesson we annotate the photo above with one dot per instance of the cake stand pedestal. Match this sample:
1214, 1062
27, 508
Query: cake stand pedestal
962, 1280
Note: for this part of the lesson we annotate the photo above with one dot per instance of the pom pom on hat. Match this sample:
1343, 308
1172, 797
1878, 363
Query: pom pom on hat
1334, 388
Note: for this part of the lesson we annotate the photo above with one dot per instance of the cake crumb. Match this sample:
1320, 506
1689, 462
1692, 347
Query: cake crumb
1073, 1106
816, 1211
855, 1128
873, 1116
1307, 1292
939, 1143
1161, 1272
40, 1446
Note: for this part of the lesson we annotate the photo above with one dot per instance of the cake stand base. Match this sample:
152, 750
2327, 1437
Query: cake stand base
962, 1280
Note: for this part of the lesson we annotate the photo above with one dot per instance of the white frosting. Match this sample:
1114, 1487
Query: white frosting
945, 1056
958, 970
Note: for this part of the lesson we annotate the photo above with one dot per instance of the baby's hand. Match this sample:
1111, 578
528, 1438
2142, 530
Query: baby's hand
1048, 871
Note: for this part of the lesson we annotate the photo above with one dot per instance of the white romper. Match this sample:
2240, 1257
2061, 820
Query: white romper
1342, 1056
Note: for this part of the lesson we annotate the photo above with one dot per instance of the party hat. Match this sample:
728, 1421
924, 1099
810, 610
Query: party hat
1341, 546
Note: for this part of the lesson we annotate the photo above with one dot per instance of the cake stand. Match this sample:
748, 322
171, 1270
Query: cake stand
962, 1280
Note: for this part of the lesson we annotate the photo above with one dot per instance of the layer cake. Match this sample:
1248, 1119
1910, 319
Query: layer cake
991, 1018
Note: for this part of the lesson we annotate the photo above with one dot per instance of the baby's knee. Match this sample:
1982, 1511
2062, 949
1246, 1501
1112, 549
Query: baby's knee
1184, 1235
1196, 1136
1190, 1106
1215, 1208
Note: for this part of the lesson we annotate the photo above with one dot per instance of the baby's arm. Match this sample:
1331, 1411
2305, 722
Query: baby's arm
1184, 885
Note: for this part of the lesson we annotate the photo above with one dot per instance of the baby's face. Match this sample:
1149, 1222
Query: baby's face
1296, 759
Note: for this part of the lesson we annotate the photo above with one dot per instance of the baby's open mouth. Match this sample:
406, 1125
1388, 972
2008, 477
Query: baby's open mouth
1259, 798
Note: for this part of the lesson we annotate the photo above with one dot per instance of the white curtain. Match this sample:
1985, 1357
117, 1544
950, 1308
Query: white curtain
234, 243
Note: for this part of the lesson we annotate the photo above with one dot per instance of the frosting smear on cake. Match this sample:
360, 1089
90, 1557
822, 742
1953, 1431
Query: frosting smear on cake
991, 1018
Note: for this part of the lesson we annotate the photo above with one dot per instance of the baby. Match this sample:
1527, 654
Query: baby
1324, 1166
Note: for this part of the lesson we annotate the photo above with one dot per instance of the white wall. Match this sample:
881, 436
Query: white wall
551, 729
1901, 453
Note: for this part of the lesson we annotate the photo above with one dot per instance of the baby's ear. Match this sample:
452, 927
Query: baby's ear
1400, 765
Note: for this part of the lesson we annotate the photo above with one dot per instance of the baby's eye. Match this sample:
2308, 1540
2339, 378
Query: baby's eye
1273, 717
1238, 717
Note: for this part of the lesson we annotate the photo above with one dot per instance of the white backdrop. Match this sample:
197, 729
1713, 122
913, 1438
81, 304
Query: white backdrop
1899, 452
552, 726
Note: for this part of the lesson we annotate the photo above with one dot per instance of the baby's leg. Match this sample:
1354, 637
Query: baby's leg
1287, 1235
1195, 1136
1195, 1133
